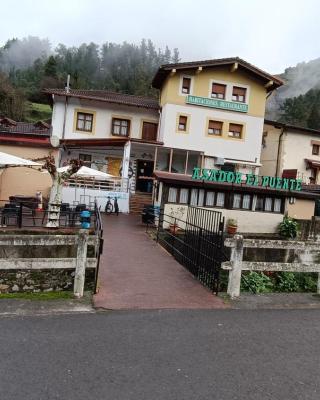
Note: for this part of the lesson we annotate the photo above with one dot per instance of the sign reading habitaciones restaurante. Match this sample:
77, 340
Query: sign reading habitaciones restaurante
216, 175
216, 103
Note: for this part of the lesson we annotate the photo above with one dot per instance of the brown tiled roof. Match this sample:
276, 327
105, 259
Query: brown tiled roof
39, 128
297, 129
165, 70
108, 97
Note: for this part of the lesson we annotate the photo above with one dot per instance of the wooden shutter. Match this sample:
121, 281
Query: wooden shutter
215, 125
186, 83
238, 91
217, 88
235, 128
149, 131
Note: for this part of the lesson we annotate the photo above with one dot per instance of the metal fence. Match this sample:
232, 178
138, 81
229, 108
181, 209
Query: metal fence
196, 243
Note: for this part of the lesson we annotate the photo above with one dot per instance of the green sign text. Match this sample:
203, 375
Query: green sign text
216, 103
216, 175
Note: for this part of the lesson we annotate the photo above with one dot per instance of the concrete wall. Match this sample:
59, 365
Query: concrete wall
269, 150
103, 114
21, 180
248, 221
248, 148
301, 209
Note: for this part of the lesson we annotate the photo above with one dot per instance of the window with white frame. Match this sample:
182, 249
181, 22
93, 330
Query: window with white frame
268, 204
184, 194
246, 202
194, 197
186, 85
236, 201
218, 91
239, 94
172, 195
201, 197
277, 205
220, 199
210, 199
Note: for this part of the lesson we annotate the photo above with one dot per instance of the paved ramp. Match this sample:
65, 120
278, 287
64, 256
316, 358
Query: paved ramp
137, 273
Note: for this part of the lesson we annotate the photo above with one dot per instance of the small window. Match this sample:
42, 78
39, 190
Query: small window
218, 91
120, 127
201, 198
210, 199
182, 123
239, 94
260, 204
315, 149
186, 85
172, 196
235, 131
220, 199
194, 197
215, 128
268, 204
86, 159
246, 202
236, 201
277, 205
84, 122
184, 194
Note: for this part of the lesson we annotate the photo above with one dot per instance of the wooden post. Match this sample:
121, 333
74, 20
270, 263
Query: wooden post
186, 164
81, 263
236, 263
170, 159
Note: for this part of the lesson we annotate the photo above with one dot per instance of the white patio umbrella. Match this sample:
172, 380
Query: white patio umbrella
86, 172
8, 160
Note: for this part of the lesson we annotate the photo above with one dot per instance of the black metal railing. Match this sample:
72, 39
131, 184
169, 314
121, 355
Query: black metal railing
198, 247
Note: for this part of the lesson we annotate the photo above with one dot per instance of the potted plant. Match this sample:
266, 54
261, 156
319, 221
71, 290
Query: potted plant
232, 226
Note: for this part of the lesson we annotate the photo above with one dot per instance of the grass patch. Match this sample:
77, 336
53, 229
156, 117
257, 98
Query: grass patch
37, 112
38, 296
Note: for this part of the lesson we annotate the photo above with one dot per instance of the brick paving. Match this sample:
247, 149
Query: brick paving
137, 273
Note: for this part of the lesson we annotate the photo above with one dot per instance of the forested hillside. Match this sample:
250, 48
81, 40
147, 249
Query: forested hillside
298, 100
29, 65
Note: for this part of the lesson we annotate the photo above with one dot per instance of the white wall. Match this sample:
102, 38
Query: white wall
248, 149
248, 221
104, 112
71, 194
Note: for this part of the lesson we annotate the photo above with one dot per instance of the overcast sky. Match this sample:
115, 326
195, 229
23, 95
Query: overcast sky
272, 34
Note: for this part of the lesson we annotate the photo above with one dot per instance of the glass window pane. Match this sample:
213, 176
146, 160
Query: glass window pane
236, 201
259, 204
210, 199
184, 196
116, 129
194, 197
88, 126
268, 204
220, 199
277, 205
246, 201
80, 124
201, 198
172, 196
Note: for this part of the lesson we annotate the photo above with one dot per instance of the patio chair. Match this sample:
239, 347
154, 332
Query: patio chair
9, 210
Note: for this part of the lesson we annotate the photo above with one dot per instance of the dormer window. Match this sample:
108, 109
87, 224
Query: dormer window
218, 91
186, 85
239, 94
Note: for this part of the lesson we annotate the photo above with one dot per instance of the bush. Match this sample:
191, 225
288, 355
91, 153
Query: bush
286, 282
256, 282
288, 228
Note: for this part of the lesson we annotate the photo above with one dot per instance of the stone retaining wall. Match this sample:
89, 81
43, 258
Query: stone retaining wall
13, 281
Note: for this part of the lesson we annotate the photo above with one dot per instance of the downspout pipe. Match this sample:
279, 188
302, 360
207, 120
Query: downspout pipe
279, 151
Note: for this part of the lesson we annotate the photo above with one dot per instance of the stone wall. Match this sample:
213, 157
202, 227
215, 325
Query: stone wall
12, 281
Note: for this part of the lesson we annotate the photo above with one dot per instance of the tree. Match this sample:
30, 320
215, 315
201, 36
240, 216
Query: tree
58, 178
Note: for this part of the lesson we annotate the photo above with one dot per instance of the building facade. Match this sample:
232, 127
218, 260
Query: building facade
289, 150
30, 141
